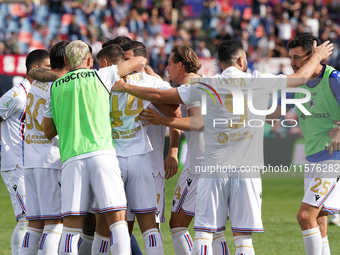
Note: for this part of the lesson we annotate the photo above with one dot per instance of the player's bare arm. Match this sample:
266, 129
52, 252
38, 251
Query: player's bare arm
305, 72
50, 130
149, 71
193, 123
169, 96
130, 65
170, 110
43, 74
171, 161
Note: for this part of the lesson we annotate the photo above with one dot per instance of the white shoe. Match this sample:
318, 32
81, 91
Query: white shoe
334, 220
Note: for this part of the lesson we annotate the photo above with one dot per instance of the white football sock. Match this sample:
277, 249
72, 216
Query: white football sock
312, 240
244, 244
69, 241
18, 235
181, 240
30, 241
85, 244
100, 245
120, 238
49, 241
152, 242
219, 244
202, 244
325, 247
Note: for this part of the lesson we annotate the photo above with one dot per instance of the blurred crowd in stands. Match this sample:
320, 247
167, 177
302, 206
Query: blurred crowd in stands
264, 26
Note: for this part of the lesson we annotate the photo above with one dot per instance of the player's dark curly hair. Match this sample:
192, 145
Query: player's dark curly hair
57, 55
306, 41
187, 57
228, 50
123, 41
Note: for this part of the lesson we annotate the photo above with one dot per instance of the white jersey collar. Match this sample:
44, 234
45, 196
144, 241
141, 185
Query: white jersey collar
231, 70
26, 84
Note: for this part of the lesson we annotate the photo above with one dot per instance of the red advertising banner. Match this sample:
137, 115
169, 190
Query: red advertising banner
13, 65
209, 67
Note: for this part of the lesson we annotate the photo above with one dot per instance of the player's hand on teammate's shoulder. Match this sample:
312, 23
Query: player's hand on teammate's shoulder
149, 71
119, 85
324, 50
334, 133
150, 116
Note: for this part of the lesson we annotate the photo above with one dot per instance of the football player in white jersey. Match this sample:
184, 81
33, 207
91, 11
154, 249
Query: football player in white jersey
183, 64
90, 166
133, 146
162, 169
12, 115
42, 169
226, 189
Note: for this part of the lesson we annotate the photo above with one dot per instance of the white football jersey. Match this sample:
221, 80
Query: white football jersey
156, 134
13, 111
39, 151
195, 143
227, 143
129, 135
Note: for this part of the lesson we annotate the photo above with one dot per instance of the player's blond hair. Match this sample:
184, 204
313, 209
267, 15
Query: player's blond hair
76, 52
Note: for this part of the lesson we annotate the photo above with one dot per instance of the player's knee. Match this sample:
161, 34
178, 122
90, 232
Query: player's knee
303, 217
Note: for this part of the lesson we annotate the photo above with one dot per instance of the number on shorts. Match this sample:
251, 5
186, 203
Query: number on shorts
33, 119
319, 182
115, 114
178, 192
158, 198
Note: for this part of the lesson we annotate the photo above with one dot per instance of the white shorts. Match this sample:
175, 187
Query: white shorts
138, 183
322, 189
43, 199
14, 181
185, 193
160, 193
97, 175
240, 197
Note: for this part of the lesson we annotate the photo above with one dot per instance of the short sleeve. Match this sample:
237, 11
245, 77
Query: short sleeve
193, 105
109, 76
189, 94
12, 101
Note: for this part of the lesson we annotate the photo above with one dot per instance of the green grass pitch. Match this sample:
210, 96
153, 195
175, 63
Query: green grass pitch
281, 201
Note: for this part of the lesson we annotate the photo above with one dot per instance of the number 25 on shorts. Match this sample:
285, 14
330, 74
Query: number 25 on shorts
318, 185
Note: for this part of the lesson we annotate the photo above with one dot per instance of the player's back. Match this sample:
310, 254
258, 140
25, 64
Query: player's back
129, 135
39, 151
234, 139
